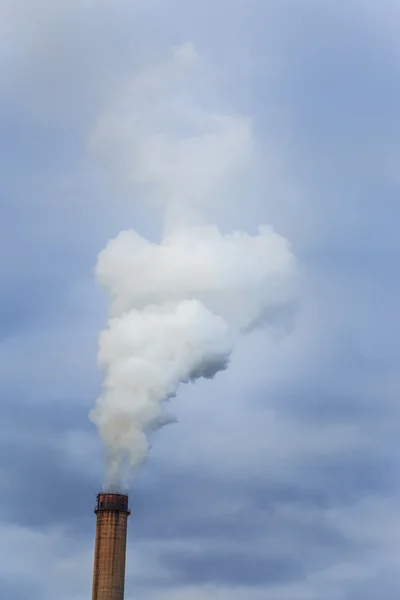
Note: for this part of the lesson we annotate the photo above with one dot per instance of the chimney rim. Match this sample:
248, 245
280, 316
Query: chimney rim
112, 501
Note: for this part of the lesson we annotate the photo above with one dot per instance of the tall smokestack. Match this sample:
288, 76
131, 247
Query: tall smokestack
110, 546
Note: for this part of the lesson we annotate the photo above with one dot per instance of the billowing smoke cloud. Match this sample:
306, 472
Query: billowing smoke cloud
177, 307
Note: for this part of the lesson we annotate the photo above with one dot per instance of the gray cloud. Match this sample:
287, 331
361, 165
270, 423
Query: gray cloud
20, 590
235, 568
304, 503
42, 485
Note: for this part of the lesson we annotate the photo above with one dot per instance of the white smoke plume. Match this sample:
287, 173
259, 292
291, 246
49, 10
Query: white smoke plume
177, 307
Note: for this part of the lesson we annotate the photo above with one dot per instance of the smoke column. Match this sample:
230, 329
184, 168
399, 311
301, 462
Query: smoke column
177, 306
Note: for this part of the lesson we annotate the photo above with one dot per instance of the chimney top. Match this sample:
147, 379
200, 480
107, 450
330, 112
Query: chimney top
113, 501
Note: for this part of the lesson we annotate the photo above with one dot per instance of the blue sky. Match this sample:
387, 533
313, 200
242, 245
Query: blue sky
281, 478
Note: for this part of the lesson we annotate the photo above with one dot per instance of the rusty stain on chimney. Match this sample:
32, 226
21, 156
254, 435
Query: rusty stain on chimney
110, 546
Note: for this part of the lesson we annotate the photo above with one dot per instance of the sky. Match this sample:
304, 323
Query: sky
280, 479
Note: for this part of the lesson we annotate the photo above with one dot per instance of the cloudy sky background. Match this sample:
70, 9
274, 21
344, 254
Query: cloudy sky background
281, 479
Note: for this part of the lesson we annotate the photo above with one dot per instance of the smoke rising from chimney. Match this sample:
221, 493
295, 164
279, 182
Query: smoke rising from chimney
177, 307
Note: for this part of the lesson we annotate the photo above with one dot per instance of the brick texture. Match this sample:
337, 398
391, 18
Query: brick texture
110, 547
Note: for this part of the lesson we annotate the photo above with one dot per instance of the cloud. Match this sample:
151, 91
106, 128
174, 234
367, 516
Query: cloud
302, 500
162, 132
177, 307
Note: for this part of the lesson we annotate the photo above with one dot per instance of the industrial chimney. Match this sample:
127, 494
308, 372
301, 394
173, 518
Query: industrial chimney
110, 546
